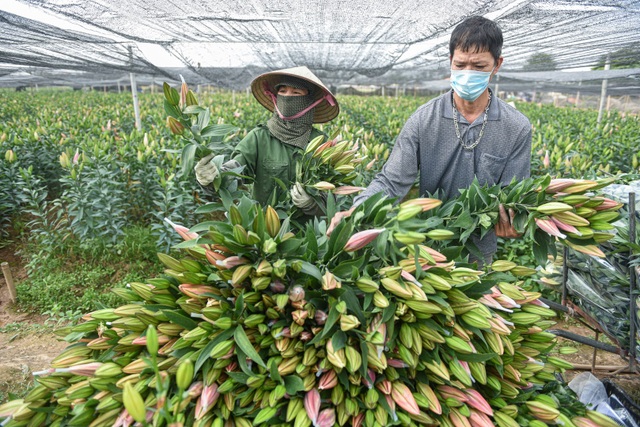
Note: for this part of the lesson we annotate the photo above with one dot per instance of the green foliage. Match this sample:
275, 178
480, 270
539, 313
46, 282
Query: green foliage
79, 275
628, 57
66, 290
579, 147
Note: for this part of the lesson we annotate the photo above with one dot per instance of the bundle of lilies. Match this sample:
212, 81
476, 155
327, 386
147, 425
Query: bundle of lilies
372, 326
569, 211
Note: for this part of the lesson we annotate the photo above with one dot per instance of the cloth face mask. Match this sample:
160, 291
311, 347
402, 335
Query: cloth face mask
469, 84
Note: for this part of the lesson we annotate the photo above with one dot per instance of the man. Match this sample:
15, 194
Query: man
298, 99
466, 133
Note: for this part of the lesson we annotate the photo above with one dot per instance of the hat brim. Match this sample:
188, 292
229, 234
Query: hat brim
322, 113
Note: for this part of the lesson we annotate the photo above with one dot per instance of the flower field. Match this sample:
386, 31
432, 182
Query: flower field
75, 161
258, 317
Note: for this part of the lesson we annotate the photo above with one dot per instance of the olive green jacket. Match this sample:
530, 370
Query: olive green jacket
266, 158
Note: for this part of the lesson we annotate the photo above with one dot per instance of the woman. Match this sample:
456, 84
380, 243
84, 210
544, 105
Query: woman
298, 99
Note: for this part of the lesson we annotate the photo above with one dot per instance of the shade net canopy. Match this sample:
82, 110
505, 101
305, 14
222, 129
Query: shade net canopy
360, 42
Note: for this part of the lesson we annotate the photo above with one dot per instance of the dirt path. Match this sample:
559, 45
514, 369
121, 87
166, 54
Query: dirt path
25, 344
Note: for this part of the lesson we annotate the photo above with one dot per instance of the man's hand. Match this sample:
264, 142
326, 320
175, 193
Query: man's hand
302, 200
337, 218
504, 227
206, 172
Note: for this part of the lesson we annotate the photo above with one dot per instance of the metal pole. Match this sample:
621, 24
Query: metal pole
603, 93
578, 94
136, 106
632, 283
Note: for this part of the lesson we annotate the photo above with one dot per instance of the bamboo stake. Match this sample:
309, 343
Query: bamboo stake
590, 367
9, 280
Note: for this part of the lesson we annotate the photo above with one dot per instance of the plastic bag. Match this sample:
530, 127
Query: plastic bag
593, 393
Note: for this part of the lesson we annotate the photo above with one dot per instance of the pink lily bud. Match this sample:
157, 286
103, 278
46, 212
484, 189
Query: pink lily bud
76, 157
608, 204
323, 147
182, 230
384, 386
356, 421
447, 391
328, 380
277, 287
424, 202
86, 370
324, 186
401, 394
362, 238
478, 401
410, 278
312, 404
437, 256
320, 317
296, 293
299, 316
546, 162
231, 262
592, 250
207, 400
392, 406
565, 227
396, 363
369, 379
479, 419
327, 418
549, 227
345, 190
370, 165
329, 281
559, 184
195, 389
123, 420
183, 93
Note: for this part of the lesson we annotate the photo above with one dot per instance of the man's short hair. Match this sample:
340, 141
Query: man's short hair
477, 34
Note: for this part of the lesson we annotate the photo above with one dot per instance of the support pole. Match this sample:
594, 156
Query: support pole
9, 281
578, 94
603, 92
632, 284
533, 98
136, 106
565, 274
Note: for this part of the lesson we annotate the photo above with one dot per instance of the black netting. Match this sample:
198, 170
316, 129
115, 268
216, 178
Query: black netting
228, 42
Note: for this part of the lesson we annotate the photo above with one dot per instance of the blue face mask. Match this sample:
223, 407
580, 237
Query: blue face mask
469, 84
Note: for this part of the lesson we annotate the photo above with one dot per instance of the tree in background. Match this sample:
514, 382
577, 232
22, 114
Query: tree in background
627, 57
540, 62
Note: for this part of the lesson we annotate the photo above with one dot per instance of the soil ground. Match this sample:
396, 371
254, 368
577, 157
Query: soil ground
27, 345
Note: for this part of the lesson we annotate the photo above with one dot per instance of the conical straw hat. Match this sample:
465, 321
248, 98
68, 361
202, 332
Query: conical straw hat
323, 112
